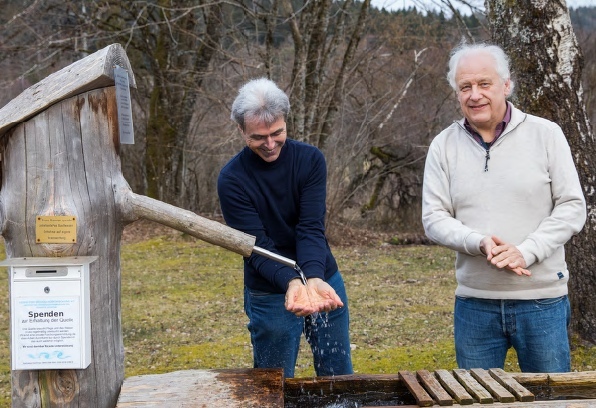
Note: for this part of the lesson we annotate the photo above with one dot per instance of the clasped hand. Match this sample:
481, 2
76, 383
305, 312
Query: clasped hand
317, 296
504, 255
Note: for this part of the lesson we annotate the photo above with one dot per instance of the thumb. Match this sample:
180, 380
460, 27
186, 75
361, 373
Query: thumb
497, 240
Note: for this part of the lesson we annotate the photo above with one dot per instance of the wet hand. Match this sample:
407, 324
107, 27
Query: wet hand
323, 295
317, 296
298, 299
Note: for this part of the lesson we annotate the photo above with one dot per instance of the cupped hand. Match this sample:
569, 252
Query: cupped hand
317, 296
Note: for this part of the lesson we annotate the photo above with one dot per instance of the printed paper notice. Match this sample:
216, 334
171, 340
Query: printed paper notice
124, 106
48, 334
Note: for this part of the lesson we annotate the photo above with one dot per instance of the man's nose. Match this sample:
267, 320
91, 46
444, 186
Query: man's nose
476, 94
269, 142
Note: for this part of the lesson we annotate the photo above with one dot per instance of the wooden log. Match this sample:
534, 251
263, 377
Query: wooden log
60, 156
573, 384
67, 158
472, 386
188, 222
432, 385
236, 388
93, 72
457, 391
507, 381
419, 393
499, 392
555, 385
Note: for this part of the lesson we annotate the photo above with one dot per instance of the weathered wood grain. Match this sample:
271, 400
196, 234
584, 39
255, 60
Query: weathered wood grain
555, 385
457, 391
419, 393
239, 388
353, 383
92, 72
472, 386
493, 386
375, 389
432, 385
66, 156
189, 222
507, 381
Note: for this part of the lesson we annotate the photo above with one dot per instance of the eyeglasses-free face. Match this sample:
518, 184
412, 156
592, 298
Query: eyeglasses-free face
481, 92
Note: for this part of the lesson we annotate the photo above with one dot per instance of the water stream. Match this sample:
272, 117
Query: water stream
302, 277
305, 282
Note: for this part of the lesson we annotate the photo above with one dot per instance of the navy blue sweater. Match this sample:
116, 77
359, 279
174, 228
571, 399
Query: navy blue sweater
282, 204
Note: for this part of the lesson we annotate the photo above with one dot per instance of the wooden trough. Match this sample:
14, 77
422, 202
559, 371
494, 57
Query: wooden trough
266, 388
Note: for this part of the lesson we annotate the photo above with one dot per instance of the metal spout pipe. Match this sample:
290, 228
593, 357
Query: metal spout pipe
276, 257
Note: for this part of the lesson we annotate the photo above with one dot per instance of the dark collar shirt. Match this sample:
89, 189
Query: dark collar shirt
498, 131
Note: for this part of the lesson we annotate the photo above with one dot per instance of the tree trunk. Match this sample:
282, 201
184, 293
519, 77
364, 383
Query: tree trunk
547, 64
52, 167
318, 73
65, 161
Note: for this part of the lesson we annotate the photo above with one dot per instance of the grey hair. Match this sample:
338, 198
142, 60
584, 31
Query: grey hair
260, 100
501, 61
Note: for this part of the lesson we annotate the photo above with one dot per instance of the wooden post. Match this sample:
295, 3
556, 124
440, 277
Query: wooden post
60, 156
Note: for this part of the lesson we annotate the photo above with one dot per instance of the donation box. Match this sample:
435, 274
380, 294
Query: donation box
50, 313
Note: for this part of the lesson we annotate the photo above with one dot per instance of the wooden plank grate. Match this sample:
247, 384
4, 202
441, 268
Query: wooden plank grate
464, 387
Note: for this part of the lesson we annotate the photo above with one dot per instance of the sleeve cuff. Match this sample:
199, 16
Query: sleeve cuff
528, 254
472, 243
284, 276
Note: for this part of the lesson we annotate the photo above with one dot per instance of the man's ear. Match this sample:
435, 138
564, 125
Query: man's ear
507, 87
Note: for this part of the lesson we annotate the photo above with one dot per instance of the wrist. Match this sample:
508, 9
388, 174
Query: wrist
294, 282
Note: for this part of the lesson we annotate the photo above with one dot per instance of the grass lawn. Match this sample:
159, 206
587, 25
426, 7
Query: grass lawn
182, 309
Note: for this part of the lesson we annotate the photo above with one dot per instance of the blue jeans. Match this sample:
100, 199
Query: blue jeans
275, 333
537, 329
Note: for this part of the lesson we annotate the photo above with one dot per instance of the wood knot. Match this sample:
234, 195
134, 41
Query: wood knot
64, 385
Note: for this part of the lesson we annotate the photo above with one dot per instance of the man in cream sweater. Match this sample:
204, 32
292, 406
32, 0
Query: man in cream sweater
501, 189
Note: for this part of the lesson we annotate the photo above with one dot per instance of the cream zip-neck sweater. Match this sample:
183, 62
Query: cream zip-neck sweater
530, 196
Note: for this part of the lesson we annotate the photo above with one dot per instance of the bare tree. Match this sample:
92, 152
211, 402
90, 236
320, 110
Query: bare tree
547, 63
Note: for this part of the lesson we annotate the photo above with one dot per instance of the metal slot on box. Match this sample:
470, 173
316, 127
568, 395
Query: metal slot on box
44, 273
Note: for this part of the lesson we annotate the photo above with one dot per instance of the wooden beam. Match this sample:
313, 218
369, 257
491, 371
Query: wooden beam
92, 72
472, 386
432, 385
186, 221
492, 385
507, 381
234, 388
456, 390
422, 397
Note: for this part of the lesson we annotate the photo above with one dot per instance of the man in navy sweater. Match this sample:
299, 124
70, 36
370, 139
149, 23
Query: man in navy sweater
275, 190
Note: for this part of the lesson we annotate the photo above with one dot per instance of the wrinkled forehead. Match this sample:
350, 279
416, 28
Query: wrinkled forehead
478, 63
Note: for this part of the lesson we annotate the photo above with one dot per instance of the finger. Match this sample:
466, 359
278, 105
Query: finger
290, 299
501, 251
497, 240
521, 271
334, 298
501, 261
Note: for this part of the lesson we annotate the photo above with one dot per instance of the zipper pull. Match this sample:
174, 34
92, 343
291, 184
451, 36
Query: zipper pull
487, 158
